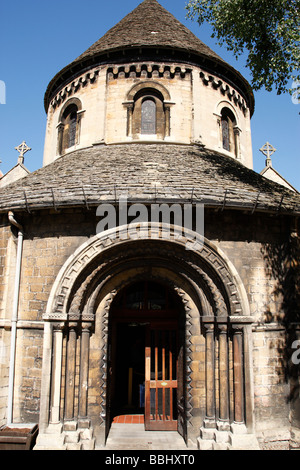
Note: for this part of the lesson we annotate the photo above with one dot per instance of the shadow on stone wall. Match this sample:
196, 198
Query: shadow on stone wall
283, 265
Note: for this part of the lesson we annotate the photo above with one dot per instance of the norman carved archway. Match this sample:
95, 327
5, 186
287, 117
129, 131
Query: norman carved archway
217, 329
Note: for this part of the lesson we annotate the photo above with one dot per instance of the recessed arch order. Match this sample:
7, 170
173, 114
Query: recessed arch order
208, 264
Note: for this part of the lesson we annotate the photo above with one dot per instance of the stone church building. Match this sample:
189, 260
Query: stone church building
146, 269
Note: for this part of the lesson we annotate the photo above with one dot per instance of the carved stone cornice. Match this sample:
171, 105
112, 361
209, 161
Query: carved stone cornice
68, 317
239, 319
224, 89
147, 70
74, 86
55, 316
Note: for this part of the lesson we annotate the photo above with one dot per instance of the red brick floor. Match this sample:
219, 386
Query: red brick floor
129, 419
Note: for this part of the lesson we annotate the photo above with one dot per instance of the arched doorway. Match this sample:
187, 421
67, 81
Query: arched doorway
214, 323
146, 356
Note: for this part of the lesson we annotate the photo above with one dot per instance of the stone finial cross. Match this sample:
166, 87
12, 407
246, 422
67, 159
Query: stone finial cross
268, 150
22, 149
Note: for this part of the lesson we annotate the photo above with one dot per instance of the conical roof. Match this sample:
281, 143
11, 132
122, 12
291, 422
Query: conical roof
148, 26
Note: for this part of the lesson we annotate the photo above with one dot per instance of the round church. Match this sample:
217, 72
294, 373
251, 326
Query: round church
147, 273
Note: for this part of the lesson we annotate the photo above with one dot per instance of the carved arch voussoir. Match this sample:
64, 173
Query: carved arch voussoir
210, 264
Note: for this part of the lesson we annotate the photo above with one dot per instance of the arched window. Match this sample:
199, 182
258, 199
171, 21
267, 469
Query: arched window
225, 134
148, 120
68, 128
229, 131
148, 111
71, 121
148, 114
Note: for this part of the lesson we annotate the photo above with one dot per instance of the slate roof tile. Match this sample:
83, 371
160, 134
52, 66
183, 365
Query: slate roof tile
147, 173
147, 26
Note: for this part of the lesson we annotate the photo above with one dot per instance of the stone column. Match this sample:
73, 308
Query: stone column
70, 372
210, 375
236, 132
129, 105
80, 115
167, 121
84, 371
46, 377
60, 134
56, 373
223, 378
238, 374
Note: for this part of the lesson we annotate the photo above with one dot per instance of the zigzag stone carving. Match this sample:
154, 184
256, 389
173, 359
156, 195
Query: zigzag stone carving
206, 262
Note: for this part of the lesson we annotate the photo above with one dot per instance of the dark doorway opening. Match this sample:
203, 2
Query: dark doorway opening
129, 369
146, 357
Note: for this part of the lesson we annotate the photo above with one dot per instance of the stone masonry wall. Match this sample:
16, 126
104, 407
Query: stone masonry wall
50, 238
271, 388
48, 242
258, 253
195, 108
4, 334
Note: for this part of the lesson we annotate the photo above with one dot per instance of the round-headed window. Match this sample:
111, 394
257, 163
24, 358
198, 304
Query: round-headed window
148, 120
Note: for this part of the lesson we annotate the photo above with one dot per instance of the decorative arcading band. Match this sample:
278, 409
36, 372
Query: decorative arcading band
147, 70
225, 89
71, 88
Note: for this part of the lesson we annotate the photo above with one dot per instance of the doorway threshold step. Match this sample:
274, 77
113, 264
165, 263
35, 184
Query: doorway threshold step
129, 419
134, 437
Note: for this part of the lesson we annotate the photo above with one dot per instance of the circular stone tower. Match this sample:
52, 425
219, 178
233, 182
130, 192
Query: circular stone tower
149, 79
153, 260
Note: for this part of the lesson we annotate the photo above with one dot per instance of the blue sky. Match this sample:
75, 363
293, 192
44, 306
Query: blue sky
38, 38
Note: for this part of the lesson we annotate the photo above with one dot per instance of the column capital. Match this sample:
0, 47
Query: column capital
237, 327
58, 326
73, 325
86, 326
222, 327
128, 104
210, 327
60, 126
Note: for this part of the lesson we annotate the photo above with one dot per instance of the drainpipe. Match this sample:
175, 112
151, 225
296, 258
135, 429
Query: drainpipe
14, 318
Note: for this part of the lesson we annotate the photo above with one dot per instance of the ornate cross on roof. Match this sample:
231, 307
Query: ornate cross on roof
22, 149
268, 150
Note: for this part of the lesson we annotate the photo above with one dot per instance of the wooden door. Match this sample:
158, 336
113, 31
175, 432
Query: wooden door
161, 363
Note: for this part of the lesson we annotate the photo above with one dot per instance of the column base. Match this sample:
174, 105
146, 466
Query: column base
70, 425
209, 423
84, 423
221, 435
238, 428
223, 425
239, 438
